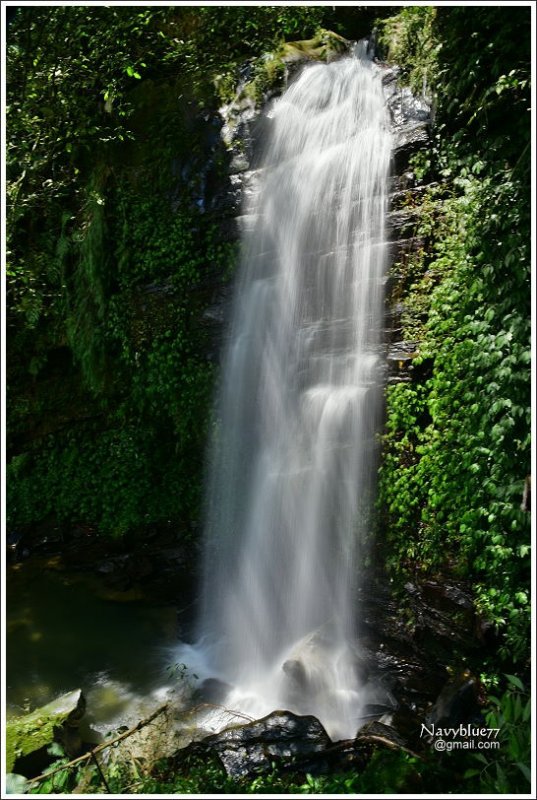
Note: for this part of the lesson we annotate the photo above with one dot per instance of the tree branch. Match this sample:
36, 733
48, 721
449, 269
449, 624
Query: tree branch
92, 753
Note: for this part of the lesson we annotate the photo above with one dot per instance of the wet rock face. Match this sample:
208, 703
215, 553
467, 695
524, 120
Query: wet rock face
253, 748
457, 703
410, 115
405, 107
411, 656
410, 123
408, 141
400, 355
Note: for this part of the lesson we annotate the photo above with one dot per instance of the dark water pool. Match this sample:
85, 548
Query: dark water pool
65, 631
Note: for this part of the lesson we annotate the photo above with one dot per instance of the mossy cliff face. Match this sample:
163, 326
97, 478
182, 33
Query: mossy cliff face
109, 419
454, 477
114, 355
271, 70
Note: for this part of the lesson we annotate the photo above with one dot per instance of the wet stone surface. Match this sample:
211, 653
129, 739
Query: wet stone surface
254, 747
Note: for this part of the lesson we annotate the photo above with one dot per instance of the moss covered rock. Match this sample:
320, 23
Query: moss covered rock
31, 732
267, 75
273, 68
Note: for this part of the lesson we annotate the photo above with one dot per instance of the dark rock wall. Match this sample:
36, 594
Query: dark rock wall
411, 119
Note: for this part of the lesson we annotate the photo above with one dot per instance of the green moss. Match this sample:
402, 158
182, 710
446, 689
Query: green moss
271, 69
322, 47
25, 735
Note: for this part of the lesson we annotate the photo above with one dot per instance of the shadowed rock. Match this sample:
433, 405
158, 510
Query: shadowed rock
253, 748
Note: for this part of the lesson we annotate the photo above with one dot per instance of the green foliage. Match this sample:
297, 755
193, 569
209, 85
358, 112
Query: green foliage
141, 459
84, 777
117, 479
483, 73
246, 32
386, 772
457, 444
507, 769
118, 263
86, 288
60, 782
114, 253
407, 39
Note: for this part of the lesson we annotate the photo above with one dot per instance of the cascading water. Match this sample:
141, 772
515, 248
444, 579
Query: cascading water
294, 458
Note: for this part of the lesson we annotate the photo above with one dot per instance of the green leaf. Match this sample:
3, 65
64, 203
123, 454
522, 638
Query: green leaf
471, 773
514, 681
501, 778
524, 770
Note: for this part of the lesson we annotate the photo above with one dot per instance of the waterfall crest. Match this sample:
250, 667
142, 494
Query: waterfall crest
293, 461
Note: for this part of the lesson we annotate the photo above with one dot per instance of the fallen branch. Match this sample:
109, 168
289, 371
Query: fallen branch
375, 737
92, 753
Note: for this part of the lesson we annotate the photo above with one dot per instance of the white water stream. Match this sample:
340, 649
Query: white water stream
293, 463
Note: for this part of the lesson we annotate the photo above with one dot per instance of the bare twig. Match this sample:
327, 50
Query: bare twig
234, 713
101, 773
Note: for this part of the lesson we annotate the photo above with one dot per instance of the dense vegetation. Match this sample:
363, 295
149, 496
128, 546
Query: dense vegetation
458, 438
115, 167
119, 243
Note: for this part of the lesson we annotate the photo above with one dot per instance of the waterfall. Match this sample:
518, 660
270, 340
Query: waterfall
293, 461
